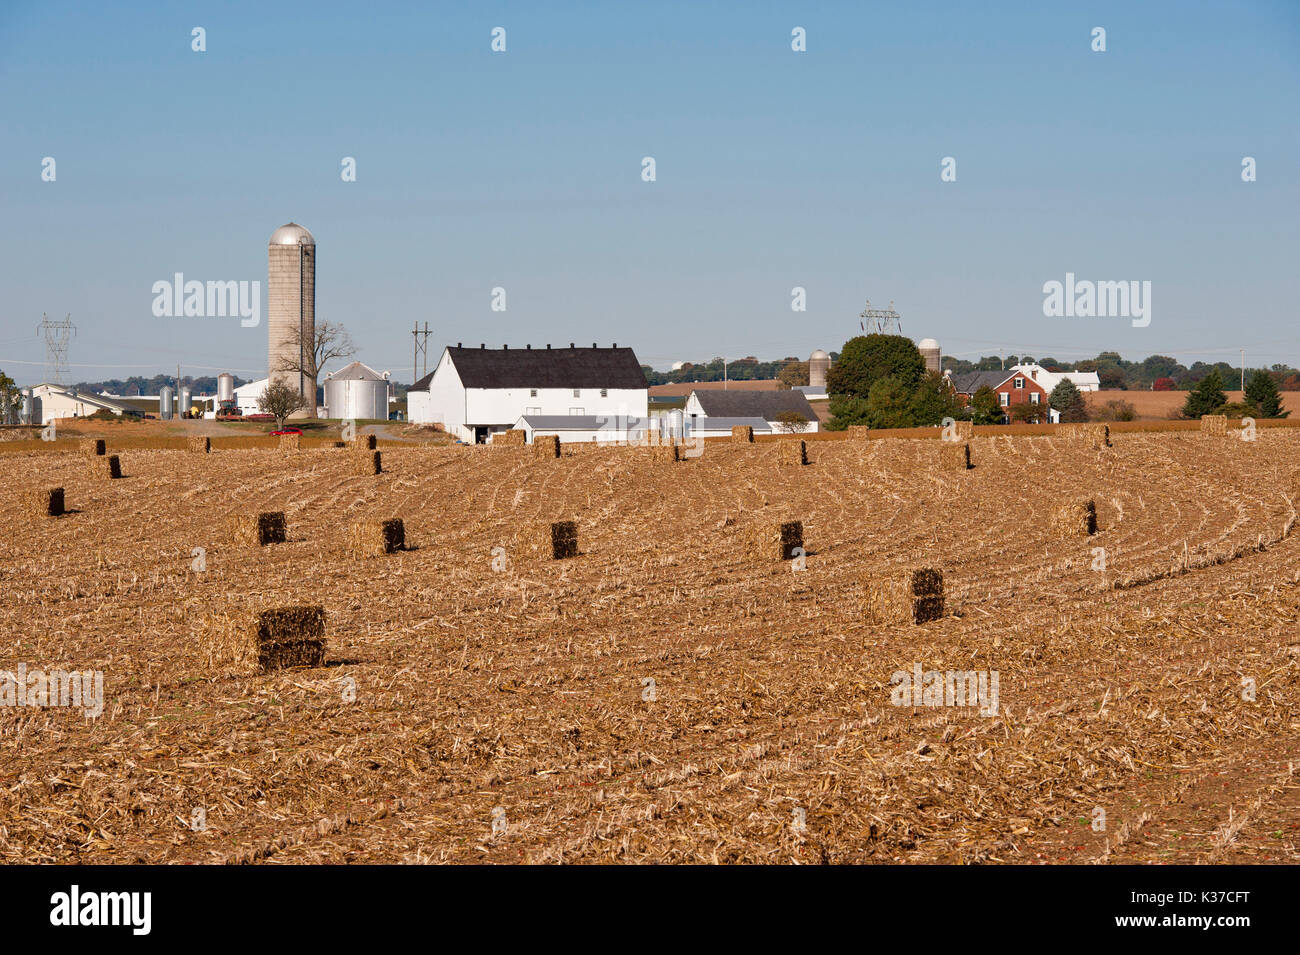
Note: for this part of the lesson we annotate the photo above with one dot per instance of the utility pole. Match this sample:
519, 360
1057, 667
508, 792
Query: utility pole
421, 348
1243, 373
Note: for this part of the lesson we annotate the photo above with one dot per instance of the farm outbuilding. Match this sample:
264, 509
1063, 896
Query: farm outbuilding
59, 401
477, 392
769, 406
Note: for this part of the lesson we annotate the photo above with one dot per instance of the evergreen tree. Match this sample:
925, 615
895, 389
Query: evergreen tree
1067, 399
867, 359
888, 404
1207, 397
1262, 397
984, 406
933, 400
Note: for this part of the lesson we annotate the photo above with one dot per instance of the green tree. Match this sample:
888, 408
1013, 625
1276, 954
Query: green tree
984, 406
794, 374
866, 359
1068, 400
280, 400
11, 400
1207, 397
1262, 396
933, 400
888, 404
791, 422
846, 410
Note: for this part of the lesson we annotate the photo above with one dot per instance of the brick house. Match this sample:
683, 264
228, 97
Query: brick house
1012, 387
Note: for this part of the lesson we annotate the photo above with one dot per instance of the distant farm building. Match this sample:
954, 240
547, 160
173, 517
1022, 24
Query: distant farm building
777, 409
477, 392
60, 401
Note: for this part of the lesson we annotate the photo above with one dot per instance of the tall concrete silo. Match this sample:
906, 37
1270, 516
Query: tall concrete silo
929, 349
291, 309
818, 364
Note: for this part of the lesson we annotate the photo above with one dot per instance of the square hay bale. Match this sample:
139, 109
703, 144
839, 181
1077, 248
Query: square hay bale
954, 455
46, 502
256, 530
775, 541
104, 467
858, 432
374, 538
965, 430
269, 639
364, 442
1075, 517
793, 452
559, 540
1094, 435
546, 445
909, 596
199, 444
668, 453
290, 442
93, 446
368, 462
1214, 423
514, 438
742, 434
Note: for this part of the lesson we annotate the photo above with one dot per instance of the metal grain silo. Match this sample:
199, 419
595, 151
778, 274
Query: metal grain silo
165, 402
929, 349
291, 309
225, 387
28, 408
356, 391
183, 406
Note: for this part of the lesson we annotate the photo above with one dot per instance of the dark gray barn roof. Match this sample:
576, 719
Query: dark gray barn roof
544, 368
753, 404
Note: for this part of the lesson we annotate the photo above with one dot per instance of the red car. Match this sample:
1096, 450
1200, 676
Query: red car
288, 431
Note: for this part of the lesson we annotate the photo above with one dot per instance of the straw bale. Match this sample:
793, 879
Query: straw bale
909, 596
742, 434
667, 453
954, 455
1075, 517
45, 502
199, 443
271, 639
290, 442
255, 530
514, 438
546, 446
965, 430
554, 541
372, 538
364, 442
104, 467
368, 462
858, 432
1094, 435
1214, 423
775, 540
93, 446
793, 452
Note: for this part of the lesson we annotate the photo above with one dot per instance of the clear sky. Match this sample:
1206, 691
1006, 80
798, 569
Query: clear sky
774, 169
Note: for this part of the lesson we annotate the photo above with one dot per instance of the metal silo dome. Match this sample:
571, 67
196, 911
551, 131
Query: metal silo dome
292, 234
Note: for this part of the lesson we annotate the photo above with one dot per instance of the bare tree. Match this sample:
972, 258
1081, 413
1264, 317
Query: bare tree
791, 422
329, 342
280, 400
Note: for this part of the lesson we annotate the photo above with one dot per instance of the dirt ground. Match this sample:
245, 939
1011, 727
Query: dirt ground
478, 704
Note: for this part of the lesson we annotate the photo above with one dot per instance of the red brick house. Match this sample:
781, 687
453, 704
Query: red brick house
1012, 388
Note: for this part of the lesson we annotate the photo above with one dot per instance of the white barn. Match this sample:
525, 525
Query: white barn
59, 401
768, 406
477, 392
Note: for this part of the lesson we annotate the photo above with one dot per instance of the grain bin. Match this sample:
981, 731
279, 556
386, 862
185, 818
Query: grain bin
225, 387
29, 408
355, 392
165, 402
291, 309
183, 406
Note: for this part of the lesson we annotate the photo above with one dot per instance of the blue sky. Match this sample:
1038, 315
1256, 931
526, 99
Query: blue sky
775, 169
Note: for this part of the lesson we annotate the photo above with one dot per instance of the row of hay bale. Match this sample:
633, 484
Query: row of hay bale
365, 538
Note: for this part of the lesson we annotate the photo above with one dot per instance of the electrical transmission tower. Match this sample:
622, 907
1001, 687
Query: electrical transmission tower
57, 335
880, 321
421, 349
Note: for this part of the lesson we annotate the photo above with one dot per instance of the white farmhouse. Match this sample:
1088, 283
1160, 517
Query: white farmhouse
476, 392
1047, 380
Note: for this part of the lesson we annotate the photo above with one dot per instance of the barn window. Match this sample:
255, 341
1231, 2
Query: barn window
1020, 383
577, 392
532, 393
604, 392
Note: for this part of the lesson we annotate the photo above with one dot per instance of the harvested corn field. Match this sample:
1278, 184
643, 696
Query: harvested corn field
470, 704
